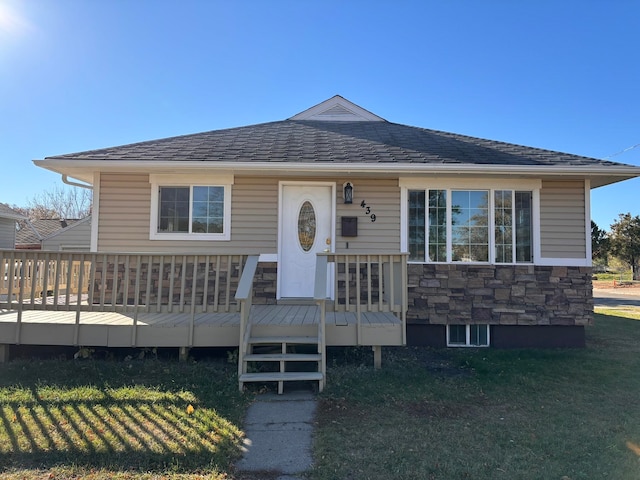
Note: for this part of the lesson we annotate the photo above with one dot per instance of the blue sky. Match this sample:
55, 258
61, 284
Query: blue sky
83, 74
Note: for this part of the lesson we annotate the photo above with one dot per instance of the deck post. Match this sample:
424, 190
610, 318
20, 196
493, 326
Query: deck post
4, 353
377, 356
183, 354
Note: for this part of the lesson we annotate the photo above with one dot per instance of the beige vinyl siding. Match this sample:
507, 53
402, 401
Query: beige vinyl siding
125, 203
77, 237
123, 223
562, 219
7, 233
383, 198
254, 214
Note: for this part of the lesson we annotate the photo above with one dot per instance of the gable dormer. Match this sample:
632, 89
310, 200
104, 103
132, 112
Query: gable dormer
338, 109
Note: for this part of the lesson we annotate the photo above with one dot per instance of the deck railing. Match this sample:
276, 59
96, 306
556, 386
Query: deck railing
192, 284
35, 272
118, 282
366, 283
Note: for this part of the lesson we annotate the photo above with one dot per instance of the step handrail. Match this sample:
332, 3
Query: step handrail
244, 297
320, 297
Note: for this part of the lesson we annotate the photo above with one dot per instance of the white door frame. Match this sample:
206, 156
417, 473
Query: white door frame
281, 185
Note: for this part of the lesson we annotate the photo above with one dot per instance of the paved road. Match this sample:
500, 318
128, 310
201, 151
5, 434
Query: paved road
616, 297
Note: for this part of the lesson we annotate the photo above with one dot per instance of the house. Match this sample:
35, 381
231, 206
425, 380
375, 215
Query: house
8, 219
497, 235
332, 227
55, 234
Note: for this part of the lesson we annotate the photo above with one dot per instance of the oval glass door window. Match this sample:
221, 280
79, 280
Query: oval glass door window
306, 226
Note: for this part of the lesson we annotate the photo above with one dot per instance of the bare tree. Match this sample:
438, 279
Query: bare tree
61, 202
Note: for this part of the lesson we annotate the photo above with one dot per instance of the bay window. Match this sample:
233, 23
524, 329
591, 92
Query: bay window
470, 225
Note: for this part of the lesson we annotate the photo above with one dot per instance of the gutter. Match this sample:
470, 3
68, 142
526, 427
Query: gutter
324, 167
65, 179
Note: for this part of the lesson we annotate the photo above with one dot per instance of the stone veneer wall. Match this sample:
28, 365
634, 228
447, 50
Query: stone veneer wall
264, 283
500, 294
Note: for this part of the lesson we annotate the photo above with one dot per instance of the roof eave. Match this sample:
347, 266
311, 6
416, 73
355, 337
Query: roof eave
84, 169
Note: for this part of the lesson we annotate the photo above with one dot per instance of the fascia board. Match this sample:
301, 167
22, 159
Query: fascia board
324, 167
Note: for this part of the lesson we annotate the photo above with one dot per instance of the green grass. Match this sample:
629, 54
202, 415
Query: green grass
108, 419
488, 414
428, 414
618, 276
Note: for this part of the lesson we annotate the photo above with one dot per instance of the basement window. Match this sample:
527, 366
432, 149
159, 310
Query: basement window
476, 335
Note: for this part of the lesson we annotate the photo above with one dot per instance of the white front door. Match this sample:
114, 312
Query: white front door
305, 228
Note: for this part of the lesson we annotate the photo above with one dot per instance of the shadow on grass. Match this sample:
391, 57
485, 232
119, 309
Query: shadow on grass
127, 427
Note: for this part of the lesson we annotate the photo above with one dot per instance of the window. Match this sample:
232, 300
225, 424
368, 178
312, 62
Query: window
468, 335
522, 212
184, 211
416, 224
457, 225
196, 209
469, 226
438, 225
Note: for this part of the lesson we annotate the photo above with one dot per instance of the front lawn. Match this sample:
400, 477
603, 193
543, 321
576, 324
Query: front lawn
119, 419
488, 414
428, 414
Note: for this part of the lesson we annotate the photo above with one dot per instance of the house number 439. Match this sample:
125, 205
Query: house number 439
367, 211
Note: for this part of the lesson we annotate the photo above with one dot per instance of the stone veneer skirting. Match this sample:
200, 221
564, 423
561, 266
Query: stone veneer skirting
499, 294
442, 294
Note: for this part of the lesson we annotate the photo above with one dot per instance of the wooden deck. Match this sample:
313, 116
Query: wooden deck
202, 300
222, 329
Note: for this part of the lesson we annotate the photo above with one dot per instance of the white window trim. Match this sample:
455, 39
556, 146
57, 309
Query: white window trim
161, 180
451, 183
95, 212
468, 337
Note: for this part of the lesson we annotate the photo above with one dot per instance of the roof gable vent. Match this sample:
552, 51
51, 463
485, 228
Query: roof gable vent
337, 109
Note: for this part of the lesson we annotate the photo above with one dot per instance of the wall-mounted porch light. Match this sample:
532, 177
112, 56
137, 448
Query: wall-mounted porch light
348, 193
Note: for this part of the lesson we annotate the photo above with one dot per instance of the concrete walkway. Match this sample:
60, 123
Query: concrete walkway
279, 432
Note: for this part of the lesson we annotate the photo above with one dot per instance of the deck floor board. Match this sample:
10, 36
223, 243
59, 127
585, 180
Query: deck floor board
260, 315
167, 328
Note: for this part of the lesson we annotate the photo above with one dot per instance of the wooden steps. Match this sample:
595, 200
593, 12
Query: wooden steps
280, 376
283, 358
289, 340
287, 357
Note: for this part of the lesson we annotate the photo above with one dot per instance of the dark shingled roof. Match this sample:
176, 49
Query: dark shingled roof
44, 227
340, 142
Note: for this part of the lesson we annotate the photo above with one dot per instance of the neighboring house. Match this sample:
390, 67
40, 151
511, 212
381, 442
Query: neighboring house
76, 236
498, 235
8, 219
55, 234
